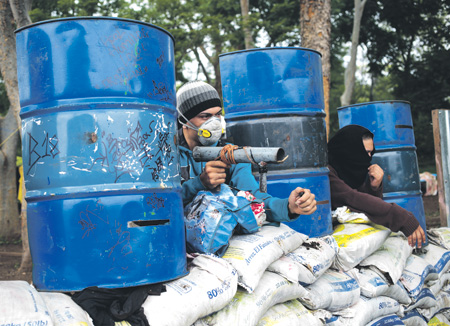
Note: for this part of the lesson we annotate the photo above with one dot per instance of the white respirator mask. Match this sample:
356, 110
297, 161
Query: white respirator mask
209, 131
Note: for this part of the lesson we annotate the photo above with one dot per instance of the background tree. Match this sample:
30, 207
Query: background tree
246, 24
350, 71
315, 27
406, 46
12, 14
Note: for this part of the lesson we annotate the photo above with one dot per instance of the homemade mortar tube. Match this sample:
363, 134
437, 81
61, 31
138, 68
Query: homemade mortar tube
260, 156
242, 154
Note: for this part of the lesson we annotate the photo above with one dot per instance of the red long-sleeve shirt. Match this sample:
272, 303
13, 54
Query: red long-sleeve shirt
370, 202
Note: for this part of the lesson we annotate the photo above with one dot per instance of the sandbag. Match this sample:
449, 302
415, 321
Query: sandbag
213, 216
21, 304
390, 258
440, 237
356, 242
290, 313
64, 311
246, 309
308, 262
335, 321
426, 299
437, 285
251, 254
389, 320
210, 285
439, 320
438, 257
442, 304
344, 215
367, 310
414, 318
333, 291
374, 285
416, 272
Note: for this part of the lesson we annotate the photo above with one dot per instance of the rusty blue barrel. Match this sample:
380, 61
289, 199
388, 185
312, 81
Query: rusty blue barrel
392, 126
101, 169
273, 97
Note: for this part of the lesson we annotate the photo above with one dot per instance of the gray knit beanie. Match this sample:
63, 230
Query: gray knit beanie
195, 97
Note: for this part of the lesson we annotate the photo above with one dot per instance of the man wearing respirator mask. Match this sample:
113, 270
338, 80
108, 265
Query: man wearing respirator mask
202, 124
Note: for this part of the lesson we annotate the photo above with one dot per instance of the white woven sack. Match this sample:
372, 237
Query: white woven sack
291, 313
210, 285
389, 320
437, 285
416, 272
414, 318
308, 262
251, 254
356, 242
64, 311
374, 285
440, 237
344, 215
368, 309
439, 320
21, 304
390, 258
398, 292
426, 299
333, 291
246, 309
437, 257
442, 304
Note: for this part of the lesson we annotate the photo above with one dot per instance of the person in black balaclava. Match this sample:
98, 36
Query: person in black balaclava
357, 184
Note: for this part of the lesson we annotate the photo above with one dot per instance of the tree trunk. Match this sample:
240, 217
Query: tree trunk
9, 212
246, 25
20, 9
346, 97
315, 29
8, 68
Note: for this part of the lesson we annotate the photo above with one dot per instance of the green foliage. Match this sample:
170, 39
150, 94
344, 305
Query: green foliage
407, 49
280, 19
51, 9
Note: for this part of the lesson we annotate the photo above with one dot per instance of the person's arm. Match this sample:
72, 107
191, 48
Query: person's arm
277, 209
190, 188
377, 210
366, 188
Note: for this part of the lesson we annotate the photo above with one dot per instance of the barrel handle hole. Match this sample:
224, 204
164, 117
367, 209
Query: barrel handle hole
143, 223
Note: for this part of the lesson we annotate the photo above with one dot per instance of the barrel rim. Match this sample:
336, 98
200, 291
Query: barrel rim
270, 48
373, 102
48, 21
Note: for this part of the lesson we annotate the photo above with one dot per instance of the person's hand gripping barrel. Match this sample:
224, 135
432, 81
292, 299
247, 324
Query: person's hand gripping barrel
302, 201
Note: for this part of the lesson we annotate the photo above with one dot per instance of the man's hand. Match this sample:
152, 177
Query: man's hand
417, 236
214, 174
375, 176
302, 204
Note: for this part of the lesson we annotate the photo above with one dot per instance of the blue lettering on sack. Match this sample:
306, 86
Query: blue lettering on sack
219, 290
256, 250
346, 286
442, 262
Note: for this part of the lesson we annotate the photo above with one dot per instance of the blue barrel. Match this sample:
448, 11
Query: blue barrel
100, 163
273, 97
392, 126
